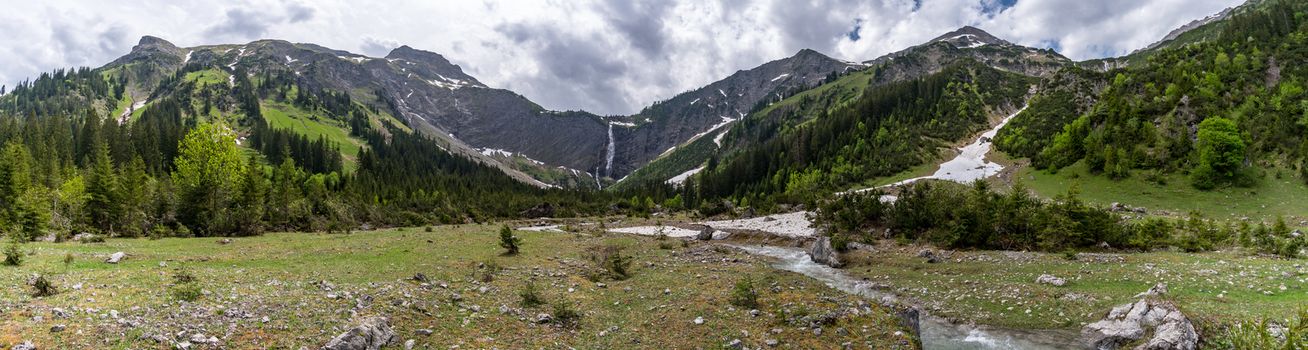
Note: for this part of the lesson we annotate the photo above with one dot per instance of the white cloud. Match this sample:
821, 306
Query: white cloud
605, 56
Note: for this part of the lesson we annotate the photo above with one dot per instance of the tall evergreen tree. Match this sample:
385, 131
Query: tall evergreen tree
104, 203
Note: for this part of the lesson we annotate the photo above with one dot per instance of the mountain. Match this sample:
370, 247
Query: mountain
709, 110
963, 46
1217, 109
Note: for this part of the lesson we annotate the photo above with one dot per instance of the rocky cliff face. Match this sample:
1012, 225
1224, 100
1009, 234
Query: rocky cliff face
967, 43
706, 111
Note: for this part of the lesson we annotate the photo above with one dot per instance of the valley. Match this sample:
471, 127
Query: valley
963, 192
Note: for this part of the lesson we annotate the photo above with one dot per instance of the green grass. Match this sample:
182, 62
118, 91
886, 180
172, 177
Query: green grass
211, 76
278, 276
1286, 197
996, 288
280, 115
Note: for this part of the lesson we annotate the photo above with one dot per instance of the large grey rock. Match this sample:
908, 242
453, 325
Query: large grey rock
1130, 323
823, 253
116, 257
371, 334
705, 233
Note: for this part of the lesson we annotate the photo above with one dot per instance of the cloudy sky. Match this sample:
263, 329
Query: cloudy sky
604, 56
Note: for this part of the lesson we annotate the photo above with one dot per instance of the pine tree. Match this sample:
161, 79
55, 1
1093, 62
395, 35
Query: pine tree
15, 177
250, 206
104, 205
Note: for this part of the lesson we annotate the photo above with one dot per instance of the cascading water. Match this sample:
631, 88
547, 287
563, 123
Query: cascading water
608, 162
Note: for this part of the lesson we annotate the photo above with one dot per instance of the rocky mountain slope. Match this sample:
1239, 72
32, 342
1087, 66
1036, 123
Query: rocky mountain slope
967, 44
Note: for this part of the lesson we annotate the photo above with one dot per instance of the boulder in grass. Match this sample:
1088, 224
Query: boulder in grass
371, 334
1051, 280
116, 257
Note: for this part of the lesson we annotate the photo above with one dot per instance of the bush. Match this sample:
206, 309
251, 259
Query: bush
92, 238
509, 242
610, 258
530, 295
13, 254
744, 294
666, 245
68, 258
565, 315
42, 287
185, 286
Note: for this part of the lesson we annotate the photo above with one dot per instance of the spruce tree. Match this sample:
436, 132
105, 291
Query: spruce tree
102, 187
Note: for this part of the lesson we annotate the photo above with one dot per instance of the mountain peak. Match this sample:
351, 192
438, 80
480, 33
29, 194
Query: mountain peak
149, 41
969, 37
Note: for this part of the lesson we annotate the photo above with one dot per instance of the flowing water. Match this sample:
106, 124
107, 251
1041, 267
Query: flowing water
608, 163
937, 333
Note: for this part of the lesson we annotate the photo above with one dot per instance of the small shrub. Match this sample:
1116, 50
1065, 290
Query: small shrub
509, 242
665, 245
186, 292
427, 229
744, 294
530, 295
92, 238
13, 254
185, 286
610, 258
68, 258
160, 231
565, 315
42, 287
487, 271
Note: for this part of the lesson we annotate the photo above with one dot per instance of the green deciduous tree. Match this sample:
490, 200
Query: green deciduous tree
1221, 152
209, 168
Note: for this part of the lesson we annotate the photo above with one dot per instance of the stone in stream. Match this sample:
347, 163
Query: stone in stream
705, 233
823, 253
116, 257
1130, 323
371, 334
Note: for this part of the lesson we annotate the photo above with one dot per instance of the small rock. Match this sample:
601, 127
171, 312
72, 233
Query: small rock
544, 318
225, 241
57, 328
59, 313
116, 257
25, 345
1157, 290
1051, 280
699, 320
423, 332
771, 342
754, 312
408, 344
735, 344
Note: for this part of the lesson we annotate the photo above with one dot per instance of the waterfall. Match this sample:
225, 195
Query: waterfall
608, 163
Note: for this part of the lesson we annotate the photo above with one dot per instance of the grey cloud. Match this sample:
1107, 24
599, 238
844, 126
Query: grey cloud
249, 24
810, 25
640, 22
577, 70
242, 24
377, 47
297, 12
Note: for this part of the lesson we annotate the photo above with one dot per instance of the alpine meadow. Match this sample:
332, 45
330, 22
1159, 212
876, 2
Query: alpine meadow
931, 174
